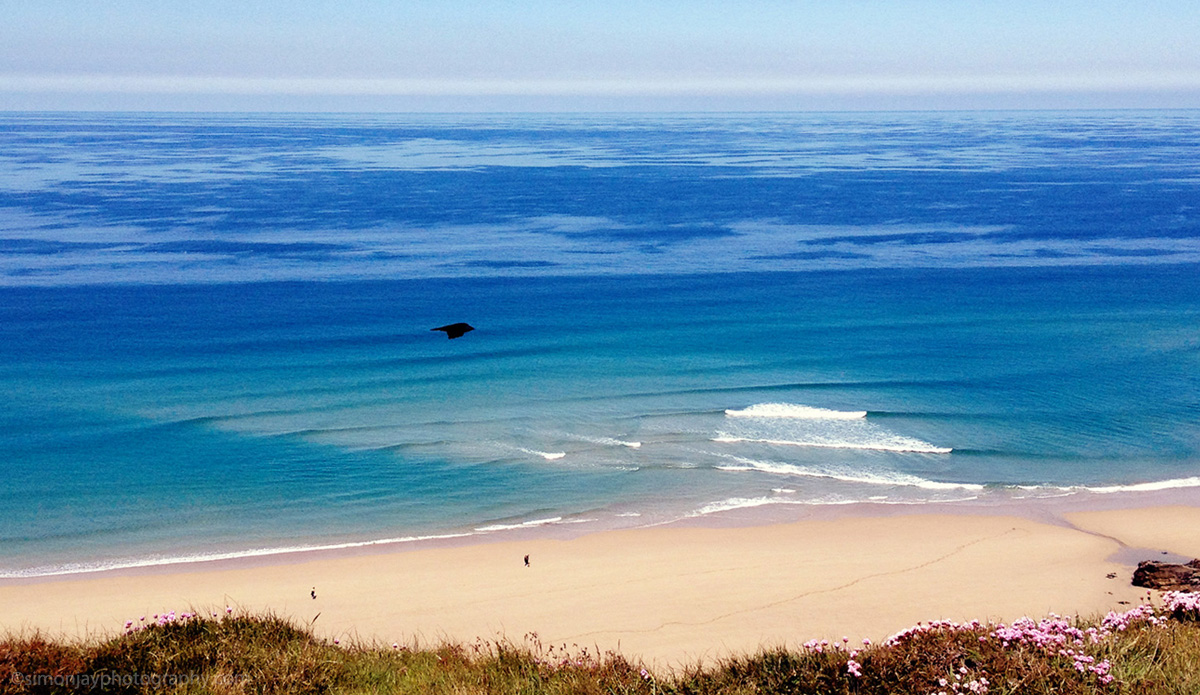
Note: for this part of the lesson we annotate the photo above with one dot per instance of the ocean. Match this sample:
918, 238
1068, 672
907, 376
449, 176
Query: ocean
215, 328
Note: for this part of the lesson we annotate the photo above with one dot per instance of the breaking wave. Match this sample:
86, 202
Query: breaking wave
894, 443
160, 561
522, 524
889, 478
1174, 483
609, 441
792, 424
733, 503
794, 411
548, 455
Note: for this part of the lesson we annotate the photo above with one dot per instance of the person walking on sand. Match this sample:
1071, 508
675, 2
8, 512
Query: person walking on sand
526, 560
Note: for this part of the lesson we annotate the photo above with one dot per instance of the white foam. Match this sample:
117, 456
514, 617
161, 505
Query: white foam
84, 567
733, 503
1156, 486
548, 455
610, 441
1047, 496
935, 485
894, 443
523, 524
890, 478
794, 411
160, 561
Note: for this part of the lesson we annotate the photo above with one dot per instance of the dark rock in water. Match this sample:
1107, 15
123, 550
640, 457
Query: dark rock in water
1166, 576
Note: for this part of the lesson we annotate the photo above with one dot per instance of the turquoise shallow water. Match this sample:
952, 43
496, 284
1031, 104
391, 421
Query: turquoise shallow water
214, 331
154, 423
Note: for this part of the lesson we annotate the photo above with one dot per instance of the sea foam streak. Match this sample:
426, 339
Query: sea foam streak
1146, 487
734, 503
792, 410
866, 477
896, 444
522, 524
609, 441
159, 561
548, 455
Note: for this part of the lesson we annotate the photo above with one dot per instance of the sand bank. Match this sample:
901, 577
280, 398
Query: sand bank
670, 595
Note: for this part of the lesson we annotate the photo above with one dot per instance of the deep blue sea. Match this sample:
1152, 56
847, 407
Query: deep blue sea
215, 329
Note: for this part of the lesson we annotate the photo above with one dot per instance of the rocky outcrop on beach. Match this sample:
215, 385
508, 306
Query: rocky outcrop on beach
1167, 576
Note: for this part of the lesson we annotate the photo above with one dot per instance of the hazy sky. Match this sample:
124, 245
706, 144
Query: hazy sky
599, 54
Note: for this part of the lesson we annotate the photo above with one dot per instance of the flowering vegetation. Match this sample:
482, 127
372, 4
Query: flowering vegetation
1183, 605
1150, 649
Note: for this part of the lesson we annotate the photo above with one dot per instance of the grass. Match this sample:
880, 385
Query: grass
1151, 650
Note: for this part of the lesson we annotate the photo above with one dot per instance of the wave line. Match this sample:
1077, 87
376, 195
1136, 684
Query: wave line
902, 446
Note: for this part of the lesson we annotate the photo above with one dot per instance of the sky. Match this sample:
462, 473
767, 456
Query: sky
610, 55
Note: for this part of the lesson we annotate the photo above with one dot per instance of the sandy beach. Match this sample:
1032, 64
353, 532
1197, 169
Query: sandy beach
669, 595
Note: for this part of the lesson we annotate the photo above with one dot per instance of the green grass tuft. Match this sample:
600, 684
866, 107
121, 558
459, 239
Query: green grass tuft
1142, 652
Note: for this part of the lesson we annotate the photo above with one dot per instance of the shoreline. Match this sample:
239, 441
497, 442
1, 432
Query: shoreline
671, 594
1048, 509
